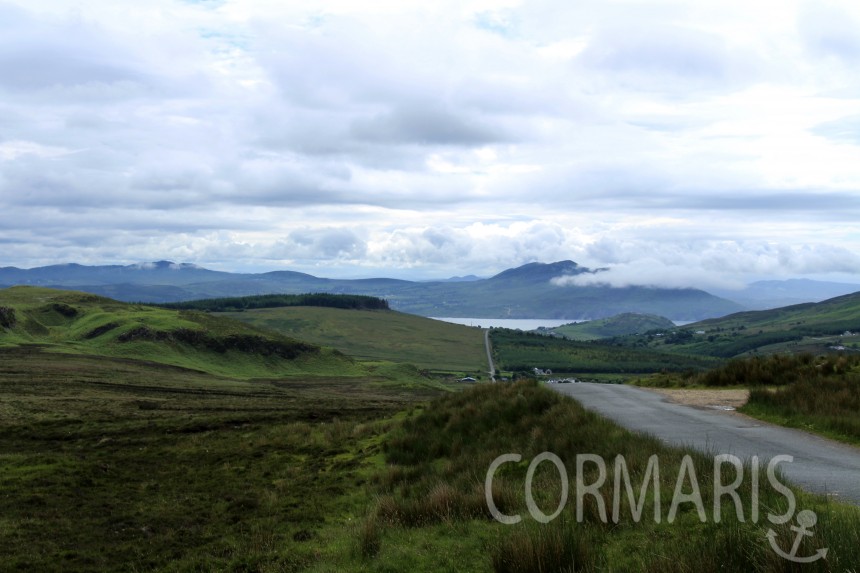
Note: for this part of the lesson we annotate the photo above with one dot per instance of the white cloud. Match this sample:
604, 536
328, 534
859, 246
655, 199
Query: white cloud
676, 143
707, 264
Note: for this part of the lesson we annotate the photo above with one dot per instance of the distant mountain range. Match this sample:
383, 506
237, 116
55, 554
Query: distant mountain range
522, 292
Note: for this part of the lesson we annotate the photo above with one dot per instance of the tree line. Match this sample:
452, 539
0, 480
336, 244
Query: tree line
234, 304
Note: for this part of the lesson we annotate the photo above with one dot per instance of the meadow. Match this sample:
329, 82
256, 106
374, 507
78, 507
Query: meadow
803, 328
518, 351
379, 335
109, 464
72, 322
194, 442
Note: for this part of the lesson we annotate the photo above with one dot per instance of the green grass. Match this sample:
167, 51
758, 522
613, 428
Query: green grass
115, 463
829, 406
802, 328
438, 457
379, 335
78, 323
618, 325
109, 464
522, 351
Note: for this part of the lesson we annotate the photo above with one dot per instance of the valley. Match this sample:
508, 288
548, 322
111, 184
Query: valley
243, 435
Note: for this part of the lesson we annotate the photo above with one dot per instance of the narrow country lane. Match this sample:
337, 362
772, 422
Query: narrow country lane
820, 465
492, 370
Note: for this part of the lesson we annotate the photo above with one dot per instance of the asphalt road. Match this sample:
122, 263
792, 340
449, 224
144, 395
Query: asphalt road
819, 465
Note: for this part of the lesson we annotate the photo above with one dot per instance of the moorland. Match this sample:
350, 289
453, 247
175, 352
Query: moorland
336, 436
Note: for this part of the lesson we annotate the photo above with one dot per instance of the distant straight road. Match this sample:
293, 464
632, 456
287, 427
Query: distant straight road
492, 370
820, 465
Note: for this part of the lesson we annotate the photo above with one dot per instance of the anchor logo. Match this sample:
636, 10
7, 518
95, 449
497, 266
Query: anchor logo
806, 520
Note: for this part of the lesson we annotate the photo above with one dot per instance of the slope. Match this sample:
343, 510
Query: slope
618, 325
378, 335
81, 323
825, 326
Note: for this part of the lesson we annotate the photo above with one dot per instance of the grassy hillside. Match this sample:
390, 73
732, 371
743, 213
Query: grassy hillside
378, 335
81, 323
111, 464
522, 351
832, 316
618, 325
135, 438
804, 328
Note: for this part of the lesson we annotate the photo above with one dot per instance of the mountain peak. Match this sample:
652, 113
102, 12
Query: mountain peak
541, 271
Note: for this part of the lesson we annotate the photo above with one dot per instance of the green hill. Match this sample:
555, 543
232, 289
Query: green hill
523, 351
378, 335
80, 323
618, 325
827, 326
832, 316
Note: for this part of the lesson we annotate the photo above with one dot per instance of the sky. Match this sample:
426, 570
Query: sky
675, 143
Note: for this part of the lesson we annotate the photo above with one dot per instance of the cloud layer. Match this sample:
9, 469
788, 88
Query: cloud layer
674, 143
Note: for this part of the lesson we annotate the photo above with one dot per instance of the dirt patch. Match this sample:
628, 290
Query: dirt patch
715, 399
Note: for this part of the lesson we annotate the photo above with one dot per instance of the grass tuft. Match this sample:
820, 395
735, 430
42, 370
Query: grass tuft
558, 547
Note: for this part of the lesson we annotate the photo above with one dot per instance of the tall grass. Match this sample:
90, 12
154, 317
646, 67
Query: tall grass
561, 547
827, 404
779, 370
439, 455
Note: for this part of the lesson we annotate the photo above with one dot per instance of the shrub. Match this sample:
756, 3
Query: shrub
65, 310
778, 370
99, 330
7, 317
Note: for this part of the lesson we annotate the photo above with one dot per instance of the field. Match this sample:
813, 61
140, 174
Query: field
379, 335
135, 438
618, 325
117, 465
825, 327
145, 467
79, 323
522, 352
198, 443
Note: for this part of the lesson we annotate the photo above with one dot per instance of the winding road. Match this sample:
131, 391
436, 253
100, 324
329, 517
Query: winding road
820, 465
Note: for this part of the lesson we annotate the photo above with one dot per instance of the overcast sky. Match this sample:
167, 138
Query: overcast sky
679, 143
